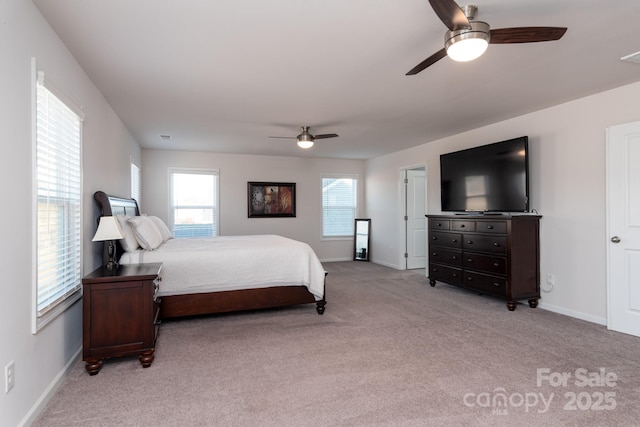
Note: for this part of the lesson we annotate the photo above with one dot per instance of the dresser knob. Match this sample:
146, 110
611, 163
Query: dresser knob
455, 274
496, 244
495, 264
454, 257
490, 227
469, 259
497, 285
470, 242
454, 240
434, 238
462, 225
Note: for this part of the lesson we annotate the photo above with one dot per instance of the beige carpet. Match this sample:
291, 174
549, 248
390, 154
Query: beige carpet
389, 350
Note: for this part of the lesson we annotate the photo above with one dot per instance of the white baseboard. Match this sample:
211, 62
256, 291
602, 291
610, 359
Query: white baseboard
335, 259
41, 403
578, 315
387, 264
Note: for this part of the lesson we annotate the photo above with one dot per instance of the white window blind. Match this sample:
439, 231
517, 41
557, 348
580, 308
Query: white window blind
135, 183
339, 205
194, 203
58, 204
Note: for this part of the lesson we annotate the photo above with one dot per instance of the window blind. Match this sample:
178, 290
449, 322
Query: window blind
58, 204
339, 205
135, 183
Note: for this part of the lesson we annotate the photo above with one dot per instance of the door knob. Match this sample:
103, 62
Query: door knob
615, 239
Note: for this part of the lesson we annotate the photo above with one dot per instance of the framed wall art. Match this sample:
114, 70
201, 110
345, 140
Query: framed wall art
271, 199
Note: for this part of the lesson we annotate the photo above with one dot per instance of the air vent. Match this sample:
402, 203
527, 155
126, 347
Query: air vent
634, 57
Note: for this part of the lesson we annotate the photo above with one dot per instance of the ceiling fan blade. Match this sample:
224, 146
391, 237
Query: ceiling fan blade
283, 137
526, 34
325, 136
428, 62
450, 14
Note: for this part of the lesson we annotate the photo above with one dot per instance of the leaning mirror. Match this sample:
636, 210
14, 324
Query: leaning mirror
361, 240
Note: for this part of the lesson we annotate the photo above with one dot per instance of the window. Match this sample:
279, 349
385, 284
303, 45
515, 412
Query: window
339, 205
193, 202
135, 182
57, 205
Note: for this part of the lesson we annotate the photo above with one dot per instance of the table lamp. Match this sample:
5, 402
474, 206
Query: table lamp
109, 230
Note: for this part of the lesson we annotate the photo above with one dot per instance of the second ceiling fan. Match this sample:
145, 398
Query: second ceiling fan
305, 139
468, 39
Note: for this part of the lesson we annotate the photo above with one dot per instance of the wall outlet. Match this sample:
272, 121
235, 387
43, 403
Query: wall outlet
9, 376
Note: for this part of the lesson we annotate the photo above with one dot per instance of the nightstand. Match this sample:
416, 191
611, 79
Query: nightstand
120, 314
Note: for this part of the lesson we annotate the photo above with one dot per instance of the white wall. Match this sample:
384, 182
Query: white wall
40, 359
567, 162
235, 171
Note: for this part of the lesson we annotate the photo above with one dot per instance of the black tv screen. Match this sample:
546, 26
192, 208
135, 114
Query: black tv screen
488, 178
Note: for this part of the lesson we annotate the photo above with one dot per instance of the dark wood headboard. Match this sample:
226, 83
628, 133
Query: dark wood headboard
111, 206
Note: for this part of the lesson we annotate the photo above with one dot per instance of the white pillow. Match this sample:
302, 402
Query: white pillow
146, 232
129, 243
162, 228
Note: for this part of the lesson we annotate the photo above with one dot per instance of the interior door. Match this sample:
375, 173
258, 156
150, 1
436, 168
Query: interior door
623, 228
416, 221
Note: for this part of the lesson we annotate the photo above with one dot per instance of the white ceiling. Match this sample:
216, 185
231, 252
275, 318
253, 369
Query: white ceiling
222, 76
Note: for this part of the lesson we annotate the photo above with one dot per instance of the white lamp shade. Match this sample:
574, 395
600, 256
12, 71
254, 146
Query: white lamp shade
108, 229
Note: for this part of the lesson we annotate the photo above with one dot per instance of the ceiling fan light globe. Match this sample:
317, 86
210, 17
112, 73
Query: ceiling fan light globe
467, 45
305, 143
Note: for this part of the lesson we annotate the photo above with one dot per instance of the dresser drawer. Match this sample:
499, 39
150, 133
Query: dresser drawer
485, 243
445, 256
439, 224
446, 274
498, 227
488, 263
485, 283
450, 240
463, 225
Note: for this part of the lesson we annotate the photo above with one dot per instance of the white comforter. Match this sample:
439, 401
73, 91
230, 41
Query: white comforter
233, 262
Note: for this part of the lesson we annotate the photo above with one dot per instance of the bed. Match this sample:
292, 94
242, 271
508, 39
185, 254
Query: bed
249, 272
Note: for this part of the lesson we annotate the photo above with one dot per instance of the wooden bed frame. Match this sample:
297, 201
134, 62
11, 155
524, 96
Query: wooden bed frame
212, 302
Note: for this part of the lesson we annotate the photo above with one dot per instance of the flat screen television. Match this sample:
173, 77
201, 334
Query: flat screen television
488, 178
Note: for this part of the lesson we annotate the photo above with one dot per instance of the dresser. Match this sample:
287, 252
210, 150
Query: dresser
120, 314
497, 255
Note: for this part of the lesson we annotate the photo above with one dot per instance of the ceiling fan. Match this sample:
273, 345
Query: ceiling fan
468, 39
305, 139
